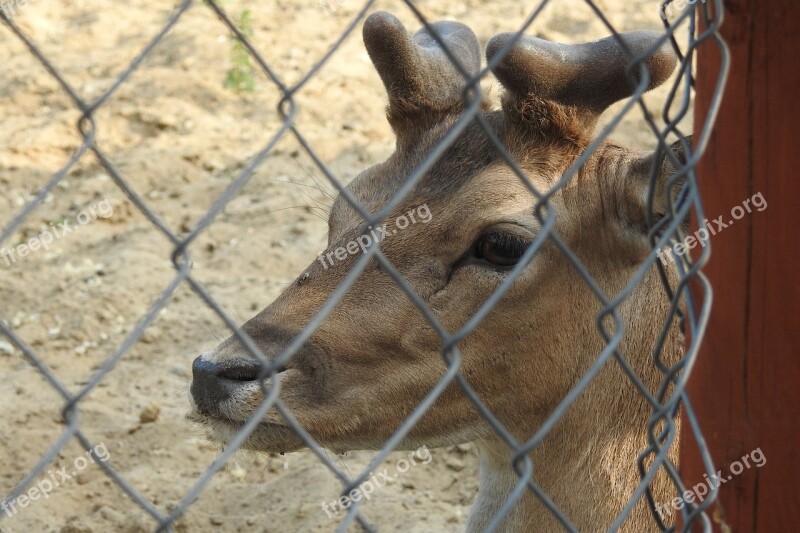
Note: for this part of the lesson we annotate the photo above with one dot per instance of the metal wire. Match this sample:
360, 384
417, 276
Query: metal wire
665, 403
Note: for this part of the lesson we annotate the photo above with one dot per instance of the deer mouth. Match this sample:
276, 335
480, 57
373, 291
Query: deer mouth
224, 396
266, 437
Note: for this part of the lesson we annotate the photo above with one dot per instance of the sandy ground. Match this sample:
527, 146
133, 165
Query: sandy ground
178, 136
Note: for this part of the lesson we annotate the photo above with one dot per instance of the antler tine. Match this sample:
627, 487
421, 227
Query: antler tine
589, 76
416, 71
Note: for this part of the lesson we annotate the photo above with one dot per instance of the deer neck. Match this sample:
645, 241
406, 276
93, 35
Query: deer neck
590, 479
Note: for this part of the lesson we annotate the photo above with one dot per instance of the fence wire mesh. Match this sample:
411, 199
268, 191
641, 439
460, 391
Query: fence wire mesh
702, 19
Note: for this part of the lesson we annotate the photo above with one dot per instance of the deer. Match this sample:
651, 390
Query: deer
374, 357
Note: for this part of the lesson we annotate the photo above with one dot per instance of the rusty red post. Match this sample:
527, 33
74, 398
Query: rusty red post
746, 384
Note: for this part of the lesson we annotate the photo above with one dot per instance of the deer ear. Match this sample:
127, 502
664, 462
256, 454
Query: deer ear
670, 178
419, 77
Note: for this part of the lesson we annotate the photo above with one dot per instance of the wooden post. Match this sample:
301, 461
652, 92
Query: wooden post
745, 387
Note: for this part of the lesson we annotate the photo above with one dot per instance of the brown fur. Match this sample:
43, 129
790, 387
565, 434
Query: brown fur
367, 367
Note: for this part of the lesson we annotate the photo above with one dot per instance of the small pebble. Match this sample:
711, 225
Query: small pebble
150, 413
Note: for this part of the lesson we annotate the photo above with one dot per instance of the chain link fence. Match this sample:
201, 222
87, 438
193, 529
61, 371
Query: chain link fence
702, 18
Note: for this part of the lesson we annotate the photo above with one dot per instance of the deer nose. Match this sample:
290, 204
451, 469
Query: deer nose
213, 383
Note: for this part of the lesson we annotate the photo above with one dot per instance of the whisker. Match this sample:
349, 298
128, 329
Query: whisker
319, 184
285, 208
212, 333
325, 209
325, 450
300, 184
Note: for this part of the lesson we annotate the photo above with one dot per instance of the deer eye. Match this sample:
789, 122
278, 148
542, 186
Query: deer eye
501, 249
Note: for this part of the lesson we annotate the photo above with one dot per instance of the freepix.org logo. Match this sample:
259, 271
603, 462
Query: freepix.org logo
676, 7
420, 214
377, 480
54, 479
56, 231
9, 7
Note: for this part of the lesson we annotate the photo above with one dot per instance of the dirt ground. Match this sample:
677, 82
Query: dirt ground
178, 136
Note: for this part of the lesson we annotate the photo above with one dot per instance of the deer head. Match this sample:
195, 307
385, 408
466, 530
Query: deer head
454, 238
